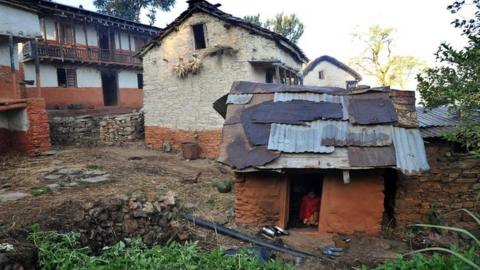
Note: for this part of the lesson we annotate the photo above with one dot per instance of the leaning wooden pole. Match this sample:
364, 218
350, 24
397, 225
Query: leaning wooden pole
13, 72
38, 92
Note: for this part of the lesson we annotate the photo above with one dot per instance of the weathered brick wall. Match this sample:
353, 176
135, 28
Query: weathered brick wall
259, 198
97, 130
36, 138
452, 183
163, 138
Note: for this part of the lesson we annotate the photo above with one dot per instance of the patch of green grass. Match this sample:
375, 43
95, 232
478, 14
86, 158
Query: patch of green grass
39, 191
94, 167
62, 251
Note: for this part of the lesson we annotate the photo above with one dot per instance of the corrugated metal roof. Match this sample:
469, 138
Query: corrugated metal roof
298, 139
283, 97
239, 99
434, 132
409, 150
319, 136
436, 117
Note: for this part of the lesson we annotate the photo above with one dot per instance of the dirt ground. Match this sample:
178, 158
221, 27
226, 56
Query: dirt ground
33, 187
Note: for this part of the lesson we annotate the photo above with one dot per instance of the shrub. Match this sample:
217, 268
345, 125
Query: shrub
63, 251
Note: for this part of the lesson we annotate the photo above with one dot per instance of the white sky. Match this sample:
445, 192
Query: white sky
421, 24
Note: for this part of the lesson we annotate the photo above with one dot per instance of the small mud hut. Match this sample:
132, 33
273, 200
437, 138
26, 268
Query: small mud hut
343, 147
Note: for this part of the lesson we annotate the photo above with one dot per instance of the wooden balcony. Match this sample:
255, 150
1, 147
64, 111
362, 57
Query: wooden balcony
81, 55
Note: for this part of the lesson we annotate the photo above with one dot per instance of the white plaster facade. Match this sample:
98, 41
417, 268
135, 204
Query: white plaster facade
186, 103
18, 22
332, 75
5, 55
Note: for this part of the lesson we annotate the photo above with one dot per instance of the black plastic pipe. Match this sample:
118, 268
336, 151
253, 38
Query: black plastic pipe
235, 234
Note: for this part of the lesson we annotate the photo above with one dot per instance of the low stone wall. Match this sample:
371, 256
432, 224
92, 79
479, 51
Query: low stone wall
168, 139
97, 129
103, 223
452, 183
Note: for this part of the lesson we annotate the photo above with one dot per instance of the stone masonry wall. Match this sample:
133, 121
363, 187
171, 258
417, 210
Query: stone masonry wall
97, 130
452, 183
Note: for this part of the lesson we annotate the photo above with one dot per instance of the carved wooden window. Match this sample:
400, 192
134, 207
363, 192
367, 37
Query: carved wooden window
67, 34
67, 77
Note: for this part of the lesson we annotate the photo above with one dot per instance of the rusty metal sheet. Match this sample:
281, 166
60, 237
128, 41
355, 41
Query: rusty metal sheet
315, 97
234, 111
371, 156
295, 112
257, 133
243, 87
236, 152
220, 105
367, 111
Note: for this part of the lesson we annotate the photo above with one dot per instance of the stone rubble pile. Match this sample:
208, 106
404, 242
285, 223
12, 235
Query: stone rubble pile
97, 130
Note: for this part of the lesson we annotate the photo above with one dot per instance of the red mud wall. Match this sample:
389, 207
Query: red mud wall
260, 198
453, 182
353, 207
209, 141
88, 97
33, 141
6, 82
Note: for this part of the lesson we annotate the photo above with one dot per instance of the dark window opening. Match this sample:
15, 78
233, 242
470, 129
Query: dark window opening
66, 77
140, 81
390, 189
458, 148
269, 75
321, 75
199, 36
139, 43
304, 188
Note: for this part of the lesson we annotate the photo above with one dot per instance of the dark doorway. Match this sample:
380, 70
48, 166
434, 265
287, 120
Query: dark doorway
110, 88
300, 187
390, 189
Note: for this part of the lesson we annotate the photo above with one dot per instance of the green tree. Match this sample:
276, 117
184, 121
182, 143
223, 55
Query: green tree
254, 19
130, 9
378, 61
288, 26
456, 82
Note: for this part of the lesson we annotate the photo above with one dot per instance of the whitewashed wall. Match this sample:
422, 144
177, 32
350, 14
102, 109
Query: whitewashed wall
50, 29
48, 74
127, 79
5, 54
187, 103
124, 41
333, 76
19, 23
86, 76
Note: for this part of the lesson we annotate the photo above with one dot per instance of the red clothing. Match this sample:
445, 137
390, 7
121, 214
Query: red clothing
309, 206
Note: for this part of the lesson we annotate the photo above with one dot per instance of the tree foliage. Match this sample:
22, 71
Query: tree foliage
378, 61
288, 26
456, 82
130, 9
470, 26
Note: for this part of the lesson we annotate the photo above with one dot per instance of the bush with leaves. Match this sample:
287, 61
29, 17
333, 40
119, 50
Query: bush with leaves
62, 251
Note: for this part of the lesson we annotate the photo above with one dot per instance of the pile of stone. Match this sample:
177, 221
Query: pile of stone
114, 129
105, 222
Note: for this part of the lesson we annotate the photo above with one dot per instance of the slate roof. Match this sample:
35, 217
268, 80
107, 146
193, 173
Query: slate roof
276, 127
326, 58
213, 10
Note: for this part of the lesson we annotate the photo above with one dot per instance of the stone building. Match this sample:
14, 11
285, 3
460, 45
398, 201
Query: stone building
23, 121
328, 71
86, 58
346, 147
195, 60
